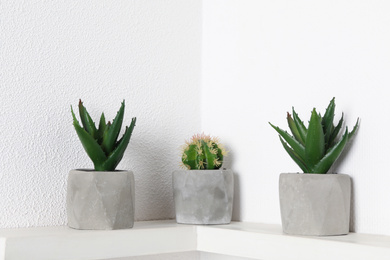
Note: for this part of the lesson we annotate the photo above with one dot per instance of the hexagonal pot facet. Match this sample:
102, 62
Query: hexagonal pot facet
203, 196
315, 204
100, 199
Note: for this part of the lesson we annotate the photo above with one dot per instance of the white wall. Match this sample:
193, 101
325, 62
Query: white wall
260, 58
55, 52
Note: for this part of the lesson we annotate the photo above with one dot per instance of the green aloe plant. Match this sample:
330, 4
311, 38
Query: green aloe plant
101, 143
316, 147
202, 152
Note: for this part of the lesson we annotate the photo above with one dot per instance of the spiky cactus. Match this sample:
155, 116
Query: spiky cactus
203, 152
317, 147
101, 143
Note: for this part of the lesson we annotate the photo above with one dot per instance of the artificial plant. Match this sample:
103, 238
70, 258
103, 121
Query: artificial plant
315, 148
202, 152
102, 144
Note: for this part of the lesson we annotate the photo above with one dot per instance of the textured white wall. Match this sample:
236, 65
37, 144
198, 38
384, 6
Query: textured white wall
260, 58
55, 52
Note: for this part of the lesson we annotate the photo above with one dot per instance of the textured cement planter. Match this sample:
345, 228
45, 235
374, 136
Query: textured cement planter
315, 204
203, 196
100, 200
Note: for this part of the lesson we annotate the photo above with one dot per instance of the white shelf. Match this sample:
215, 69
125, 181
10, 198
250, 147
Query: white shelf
57, 243
239, 239
267, 242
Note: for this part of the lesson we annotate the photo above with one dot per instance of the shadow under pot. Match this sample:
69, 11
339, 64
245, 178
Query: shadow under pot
100, 199
203, 196
315, 204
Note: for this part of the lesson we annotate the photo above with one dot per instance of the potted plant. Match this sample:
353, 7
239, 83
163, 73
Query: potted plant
203, 192
315, 203
102, 198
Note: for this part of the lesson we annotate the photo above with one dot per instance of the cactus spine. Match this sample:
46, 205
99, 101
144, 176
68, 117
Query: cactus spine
203, 152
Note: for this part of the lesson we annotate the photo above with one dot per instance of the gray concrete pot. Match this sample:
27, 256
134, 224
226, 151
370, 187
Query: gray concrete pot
315, 204
100, 200
203, 196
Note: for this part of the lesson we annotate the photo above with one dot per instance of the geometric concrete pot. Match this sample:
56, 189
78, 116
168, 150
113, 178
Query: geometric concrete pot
315, 204
203, 196
100, 199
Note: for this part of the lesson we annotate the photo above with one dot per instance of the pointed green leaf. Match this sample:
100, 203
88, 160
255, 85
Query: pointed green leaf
102, 128
105, 133
300, 126
335, 132
294, 144
110, 136
327, 121
82, 114
116, 156
314, 141
293, 128
331, 156
351, 134
294, 156
87, 121
90, 145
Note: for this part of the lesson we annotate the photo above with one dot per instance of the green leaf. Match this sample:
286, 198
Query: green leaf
314, 141
294, 156
110, 136
335, 132
327, 121
90, 145
75, 121
293, 128
300, 126
102, 128
331, 156
87, 121
116, 156
351, 134
294, 144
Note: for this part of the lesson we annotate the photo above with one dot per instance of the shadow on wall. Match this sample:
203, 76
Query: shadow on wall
338, 162
352, 216
228, 164
153, 180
